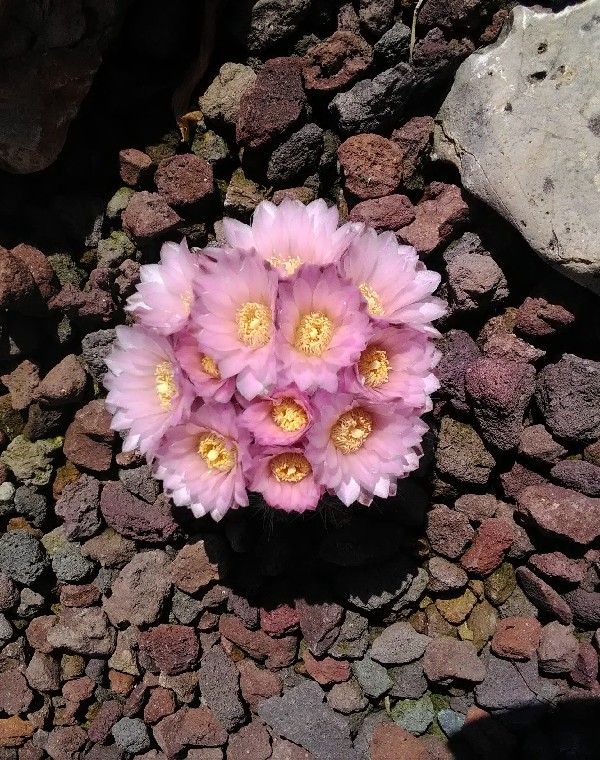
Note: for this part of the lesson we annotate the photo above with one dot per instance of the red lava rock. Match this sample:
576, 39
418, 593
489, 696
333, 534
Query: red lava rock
174, 648
332, 65
518, 478
493, 29
189, 727
89, 438
65, 743
585, 671
477, 506
273, 104
37, 633
78, 506
561, 512
543, 596
445, 576
17, 286
447, 659
538, 318
134, 518
414, 140
390, 742
372, 165
22, 383
459, 352
79, 689
327, 670
581, 476
591, 453
79, 596
251, 741
106, 717
448, 532
256, 683
160, 704
15, 694
493, 539
319, 623
64, 384
133, 166
388, 213
516, 638
585, 606
537, 445
277, 653
438, 216
40, 268
558, 649
184, 179
557, 565
200, 564
14, 731
43, 673
279, 621
93, 305
436, 58
148, 215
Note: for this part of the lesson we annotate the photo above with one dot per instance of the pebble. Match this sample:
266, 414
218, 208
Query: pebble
538, 446
174, 648
95, 348
257, 683
84, 631
148, 216
493, 539
392, 741
200, 564
78, 505
251, 741
296, 157
30, 504
447, 659
500, 584
392, 212
561, 512
189, 727
372, 165
336, 62
459, 351
22, 557
516, 638
448, 531
268, 22
64, 384
134, 518
578, 475
221, 99
585, 606
461, 453
544, 596
134, 166
445, 576
319, 623
31, 462
184, 179
218, 678
558, 649
372, 677
414, 715
398, 644
555, 565
131, 734
392, 46
141, 590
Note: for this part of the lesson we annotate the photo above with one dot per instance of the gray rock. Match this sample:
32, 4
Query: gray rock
219, 685
22, 557
140, 482
414, 715
409, 680
445, 576
372, 677
374, 104
545, 182
95, 347
131, 735
398, 644
113, 250
392, 47
353, 639
31, 504
450, 721
7, 496
68, 563
185, 608
221, 100
508, 686
83, 630
260, 25
6, 630
300, 716
376, 15
298, 156
79, 506
30, 604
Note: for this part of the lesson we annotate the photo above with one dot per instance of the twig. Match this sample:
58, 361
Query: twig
413, 30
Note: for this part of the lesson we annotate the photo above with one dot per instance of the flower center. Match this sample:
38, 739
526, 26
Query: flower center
255, 324
288, 415
372, 298
290, 264
351, 430
290, 467
210, 367
165, 384
216, 452
374, 366
314, 333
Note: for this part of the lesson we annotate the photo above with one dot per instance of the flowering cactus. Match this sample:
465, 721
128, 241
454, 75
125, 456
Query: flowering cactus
295, 360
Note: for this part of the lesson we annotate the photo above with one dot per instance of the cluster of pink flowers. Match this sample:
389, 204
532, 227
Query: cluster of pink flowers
295, 360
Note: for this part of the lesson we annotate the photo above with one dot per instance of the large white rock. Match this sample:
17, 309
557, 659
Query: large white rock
522, 124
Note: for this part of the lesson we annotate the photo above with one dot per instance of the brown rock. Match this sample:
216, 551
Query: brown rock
17, 286
390, 742
148, 216
558, 649
517, 638
140, 590
388, 213
273, 104
278, 653
200, 564
326, 671
414, 140
134, 518
184, 179
110, 549
585, 671
447, 659
40, 268
37, 633
79, 596
561, 512
15, 694
335, 63
174, 648
160, 704
439, 215
283, 619
83, 630
189, 727
557, 565
64, 384
543, 596
251, 741
134, 165
448, 531
518, 478
445, 576
109, 713
493, 539
89, 438
22, 383
319, 624
256, 683
372, 165
14, 731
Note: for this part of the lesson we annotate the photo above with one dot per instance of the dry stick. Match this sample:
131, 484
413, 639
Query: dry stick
413, 30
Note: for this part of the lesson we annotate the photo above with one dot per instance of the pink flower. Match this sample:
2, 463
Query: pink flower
292, 234
201, 462
281, 419
396, 365
164, 295
285, 479
323, 326
147, 392
202, 370
394, 282
234, 320
358, 449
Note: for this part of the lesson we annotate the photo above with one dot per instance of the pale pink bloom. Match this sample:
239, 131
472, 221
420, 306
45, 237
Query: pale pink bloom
280, 419
147, 392
285, 479
163, 298
323, 327
202, 370
395, 283
292, 234
201, 462
396, 365
233, 319
358, 449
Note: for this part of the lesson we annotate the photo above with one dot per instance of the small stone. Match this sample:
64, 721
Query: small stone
455, 609
392, 47
409, 680
447, 659
392, 742
561, 512
372, 677
414, 715
140, 482
42, 673
451, 722
298, 156
95, 347
518, 478
141, 589
14, 731
257, 684
134, 165
347, 697
388, 213
544, 596
372, 165
131, 735
585, 606
89, 438
500, 584
448, 531
106, 717
31, 504
477, 506
518, 604
148, 216
31, 463
475, 281
335, 63
493, 539
110, 549
218, 678
31, 603
319, 624
445, 576
83, 630
17, 286
266, 23
184, 179
459, 352
221, 100
243, 195
22, 383
579, 475
189, 727
22, 557
555, 565
585, 671
15, 695
64, 384
251, 741
538, 317
79, 596
134, 518
68, 564
414, 140
462, 454
174, 648
326, 671
516, 638
537, 445
200, 564
376, 16
278, 653
78, 505
398, 644
558, 649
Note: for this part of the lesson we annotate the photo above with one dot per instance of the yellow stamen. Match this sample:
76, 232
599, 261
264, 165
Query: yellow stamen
290, 264
351, 430
314, 333
374, 366
373, 300
217, 452
187, 301
255, 324
288, 415
165, 384
290, 467
210, 366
